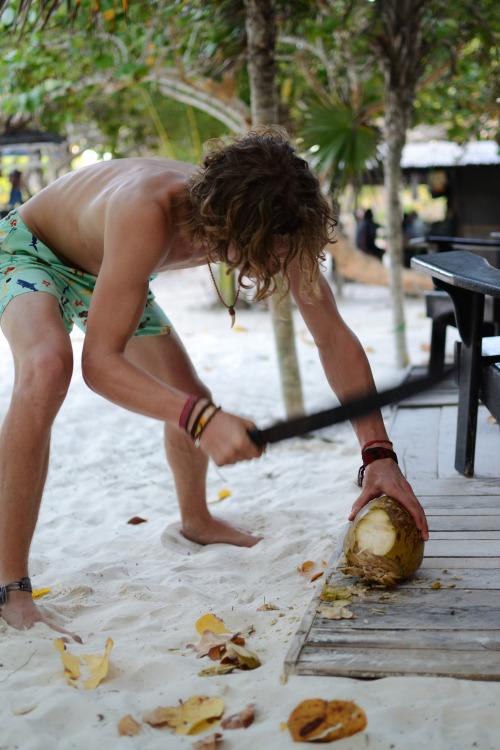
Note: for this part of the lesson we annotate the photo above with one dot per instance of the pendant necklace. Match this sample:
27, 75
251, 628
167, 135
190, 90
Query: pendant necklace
230, 308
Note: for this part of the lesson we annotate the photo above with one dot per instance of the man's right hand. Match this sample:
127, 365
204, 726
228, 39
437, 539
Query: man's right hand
21, 613
226, 440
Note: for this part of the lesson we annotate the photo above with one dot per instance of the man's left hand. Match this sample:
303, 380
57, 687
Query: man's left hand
384, 477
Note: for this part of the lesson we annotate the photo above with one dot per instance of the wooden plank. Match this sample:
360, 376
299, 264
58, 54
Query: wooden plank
415, 453
468, 640
449, 535
455, 547
456, 563
459, 486
461, 503
374, 663
462, 522
462, 512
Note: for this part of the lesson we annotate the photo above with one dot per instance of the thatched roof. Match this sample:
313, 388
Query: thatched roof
449, 154
28, 137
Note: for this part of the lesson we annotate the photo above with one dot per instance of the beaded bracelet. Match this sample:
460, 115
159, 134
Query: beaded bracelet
202, 420
369, 455
24, 584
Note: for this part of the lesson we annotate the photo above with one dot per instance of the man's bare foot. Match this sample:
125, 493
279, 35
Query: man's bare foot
216, 530
21, 613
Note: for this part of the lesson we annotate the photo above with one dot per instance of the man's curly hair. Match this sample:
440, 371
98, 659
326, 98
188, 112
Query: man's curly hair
250, 192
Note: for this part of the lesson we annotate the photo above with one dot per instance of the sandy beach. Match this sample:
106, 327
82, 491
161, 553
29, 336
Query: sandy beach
145, 586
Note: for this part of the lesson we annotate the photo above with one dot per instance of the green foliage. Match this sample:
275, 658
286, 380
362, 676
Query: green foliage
345, 145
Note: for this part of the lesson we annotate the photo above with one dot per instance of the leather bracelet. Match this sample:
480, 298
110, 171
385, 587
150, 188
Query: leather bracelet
24, 584
370, 455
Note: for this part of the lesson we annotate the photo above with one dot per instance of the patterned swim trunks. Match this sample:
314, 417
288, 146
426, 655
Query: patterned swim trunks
27, 265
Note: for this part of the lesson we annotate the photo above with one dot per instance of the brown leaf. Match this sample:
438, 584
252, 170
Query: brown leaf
137, 520
267, 608
312, 570
128, 727
207, 743
210, 642
317, 720
241, 720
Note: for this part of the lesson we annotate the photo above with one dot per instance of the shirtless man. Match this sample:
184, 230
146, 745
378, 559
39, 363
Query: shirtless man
253, 204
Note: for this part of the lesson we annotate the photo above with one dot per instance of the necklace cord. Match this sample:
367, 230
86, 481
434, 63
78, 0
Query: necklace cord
230, 308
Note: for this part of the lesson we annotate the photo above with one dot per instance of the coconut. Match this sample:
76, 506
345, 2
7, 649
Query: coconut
383, 543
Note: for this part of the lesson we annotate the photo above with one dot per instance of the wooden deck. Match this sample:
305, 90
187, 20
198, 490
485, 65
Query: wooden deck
446, 620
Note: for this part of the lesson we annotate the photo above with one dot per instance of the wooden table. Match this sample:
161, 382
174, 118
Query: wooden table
468, 279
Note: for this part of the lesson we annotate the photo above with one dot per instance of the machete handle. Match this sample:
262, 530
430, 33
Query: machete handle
257, 437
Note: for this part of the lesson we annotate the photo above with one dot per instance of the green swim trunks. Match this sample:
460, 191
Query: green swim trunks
27, 265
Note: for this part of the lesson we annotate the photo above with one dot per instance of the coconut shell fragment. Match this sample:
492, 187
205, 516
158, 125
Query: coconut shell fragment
383, 543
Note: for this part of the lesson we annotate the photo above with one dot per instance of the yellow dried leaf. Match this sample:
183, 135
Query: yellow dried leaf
189, 718
128, 727
241, 329
435, 585
330, 593
211, 622
98, 665
245, 657
217, 669
312, 570
70, 662
317, 720
224, 493
38, 593
267, 607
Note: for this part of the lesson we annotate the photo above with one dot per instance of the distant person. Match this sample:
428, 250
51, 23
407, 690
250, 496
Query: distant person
16, 196
366, 233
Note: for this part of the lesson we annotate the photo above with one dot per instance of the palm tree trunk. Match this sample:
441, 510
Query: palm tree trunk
261, 34
395, 136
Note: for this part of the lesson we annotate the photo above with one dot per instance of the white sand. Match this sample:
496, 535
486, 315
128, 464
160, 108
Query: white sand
145, 586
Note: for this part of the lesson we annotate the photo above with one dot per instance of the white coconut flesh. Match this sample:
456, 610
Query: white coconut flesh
375, 533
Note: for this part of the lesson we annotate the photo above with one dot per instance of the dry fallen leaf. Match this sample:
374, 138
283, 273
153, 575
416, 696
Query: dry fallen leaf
317, 720
338, 611
241, 655
211, 644
217, 669
311, 570
38, 593
128, 727
267, 608
97, 664
211, 622
137, 520
191, 717
207, 743
242, 720
221, 496
330, 593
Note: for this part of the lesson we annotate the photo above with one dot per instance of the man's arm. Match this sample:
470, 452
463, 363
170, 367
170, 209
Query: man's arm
349, 374
117, 305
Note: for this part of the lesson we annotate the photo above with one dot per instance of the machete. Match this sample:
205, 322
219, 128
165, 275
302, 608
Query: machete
352, 409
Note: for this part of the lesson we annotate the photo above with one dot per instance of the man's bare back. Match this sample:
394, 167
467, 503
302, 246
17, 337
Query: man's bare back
71, 216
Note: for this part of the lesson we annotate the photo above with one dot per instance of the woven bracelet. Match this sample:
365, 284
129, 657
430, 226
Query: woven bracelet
370, 455
188, 409
24, 584
202, 421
